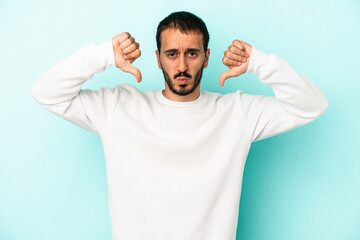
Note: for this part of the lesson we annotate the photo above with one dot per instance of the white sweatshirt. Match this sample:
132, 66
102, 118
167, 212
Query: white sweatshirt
175, 169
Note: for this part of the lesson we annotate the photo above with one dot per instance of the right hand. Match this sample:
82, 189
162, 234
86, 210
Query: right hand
126, 51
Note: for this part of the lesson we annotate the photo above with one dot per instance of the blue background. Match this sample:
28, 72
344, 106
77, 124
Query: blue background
303, 184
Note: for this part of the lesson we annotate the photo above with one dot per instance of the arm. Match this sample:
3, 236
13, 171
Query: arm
59, 89
297, 100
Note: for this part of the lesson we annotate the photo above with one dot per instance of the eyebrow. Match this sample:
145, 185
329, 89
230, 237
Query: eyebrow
187, 50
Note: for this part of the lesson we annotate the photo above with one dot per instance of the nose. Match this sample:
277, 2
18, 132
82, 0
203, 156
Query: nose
183, 66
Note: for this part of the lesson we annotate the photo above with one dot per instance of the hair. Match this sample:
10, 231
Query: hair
185, 22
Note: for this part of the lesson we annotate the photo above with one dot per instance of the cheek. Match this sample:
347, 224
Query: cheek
199, 65
167, 67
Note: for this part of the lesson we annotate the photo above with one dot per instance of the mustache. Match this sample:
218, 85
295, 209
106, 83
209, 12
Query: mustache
182, 74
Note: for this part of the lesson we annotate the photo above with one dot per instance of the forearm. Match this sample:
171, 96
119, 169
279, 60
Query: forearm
296, 93
64, 80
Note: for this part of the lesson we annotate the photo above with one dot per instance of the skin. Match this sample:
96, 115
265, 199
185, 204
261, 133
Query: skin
181, 56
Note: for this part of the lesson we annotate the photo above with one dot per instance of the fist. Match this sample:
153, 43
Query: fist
126, 51
237, 59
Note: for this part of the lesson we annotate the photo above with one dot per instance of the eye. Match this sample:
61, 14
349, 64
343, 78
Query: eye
192, 54
171, 55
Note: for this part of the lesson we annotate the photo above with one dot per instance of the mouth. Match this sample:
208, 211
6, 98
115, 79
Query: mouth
182, 80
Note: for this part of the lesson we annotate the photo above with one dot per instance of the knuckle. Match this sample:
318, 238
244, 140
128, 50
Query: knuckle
238, 44
124, 35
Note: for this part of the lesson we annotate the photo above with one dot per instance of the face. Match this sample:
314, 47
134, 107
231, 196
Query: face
182, 59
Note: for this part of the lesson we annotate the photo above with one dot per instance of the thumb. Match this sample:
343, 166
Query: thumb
228, 74
134, 71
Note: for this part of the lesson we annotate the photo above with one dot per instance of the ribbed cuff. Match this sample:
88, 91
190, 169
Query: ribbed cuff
105, 53
256, 59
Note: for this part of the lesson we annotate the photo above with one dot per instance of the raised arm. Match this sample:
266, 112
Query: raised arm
297, 100
59, 89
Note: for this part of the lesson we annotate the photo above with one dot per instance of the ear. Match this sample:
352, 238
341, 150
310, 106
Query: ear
158, 58
207, 55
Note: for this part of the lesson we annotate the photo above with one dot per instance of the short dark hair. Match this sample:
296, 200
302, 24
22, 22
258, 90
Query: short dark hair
185, 22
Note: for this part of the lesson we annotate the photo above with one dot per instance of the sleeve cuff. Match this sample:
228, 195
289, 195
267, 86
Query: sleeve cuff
104, 53
256, 59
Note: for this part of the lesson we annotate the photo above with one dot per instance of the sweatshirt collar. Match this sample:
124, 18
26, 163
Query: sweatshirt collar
166, 101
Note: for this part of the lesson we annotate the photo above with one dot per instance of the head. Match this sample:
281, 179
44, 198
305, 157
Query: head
182, 41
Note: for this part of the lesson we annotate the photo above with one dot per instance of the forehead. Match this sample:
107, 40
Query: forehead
172, 38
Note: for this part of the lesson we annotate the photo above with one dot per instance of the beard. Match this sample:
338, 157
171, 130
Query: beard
184, 89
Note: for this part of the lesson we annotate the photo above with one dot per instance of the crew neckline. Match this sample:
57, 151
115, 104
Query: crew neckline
169, 102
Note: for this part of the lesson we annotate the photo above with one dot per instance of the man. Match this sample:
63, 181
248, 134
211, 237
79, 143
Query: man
175, 158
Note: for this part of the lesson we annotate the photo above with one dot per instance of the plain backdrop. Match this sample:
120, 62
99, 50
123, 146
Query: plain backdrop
300, 185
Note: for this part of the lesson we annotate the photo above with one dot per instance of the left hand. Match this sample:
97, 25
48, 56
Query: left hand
237, 58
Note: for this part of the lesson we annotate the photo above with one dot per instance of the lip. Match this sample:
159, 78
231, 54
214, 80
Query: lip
182, 80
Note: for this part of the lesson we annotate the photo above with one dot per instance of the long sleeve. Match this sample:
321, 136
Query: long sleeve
297, 100
59, 89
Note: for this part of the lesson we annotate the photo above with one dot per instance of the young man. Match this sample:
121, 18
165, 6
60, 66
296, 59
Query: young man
175, 158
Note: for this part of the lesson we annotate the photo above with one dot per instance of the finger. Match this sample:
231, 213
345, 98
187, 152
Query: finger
131, 48
234, 57
127, 43
247, 48
123, 36
246, 45
225, 75
134, 71
228, 62
242, 52
134, 55
239, 45
237, 51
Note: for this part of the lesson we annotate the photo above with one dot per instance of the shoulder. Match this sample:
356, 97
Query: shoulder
127, 88
215, 96
239, 100
126, 91
224, 102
